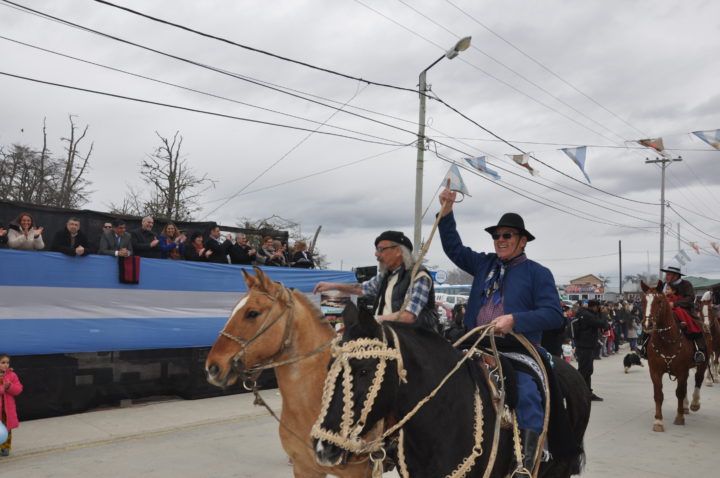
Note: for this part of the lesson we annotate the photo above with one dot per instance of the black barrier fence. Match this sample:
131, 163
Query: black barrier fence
53, 219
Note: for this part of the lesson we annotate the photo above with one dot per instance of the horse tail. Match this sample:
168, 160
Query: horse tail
577, 399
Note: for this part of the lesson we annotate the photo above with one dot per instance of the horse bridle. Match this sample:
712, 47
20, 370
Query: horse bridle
266, 325
668, 359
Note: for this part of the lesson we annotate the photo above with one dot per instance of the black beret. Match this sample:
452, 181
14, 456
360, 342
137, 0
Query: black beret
394, 236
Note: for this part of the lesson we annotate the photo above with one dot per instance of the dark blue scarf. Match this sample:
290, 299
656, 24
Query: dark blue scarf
493, 286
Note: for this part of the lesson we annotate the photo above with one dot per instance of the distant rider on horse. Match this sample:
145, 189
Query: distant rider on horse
680, 295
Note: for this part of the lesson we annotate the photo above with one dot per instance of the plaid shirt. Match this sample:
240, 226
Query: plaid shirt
420, 291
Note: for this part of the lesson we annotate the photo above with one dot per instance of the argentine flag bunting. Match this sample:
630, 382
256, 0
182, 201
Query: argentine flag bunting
578, 157
680, 259
479, 164
523, 160
710, 137
456, 181
685, 255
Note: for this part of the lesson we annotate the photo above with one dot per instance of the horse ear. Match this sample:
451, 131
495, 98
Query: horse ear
359, 323
263, 280
643, 286
250, 281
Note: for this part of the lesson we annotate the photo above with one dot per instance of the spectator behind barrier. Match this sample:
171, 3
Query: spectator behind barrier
144, 241
22, 234
71, 240
241, 252
172, 243
195, 251
116, 242
3, 237
218, 246
301, 257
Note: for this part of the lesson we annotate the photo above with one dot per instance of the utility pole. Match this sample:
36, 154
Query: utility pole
620, 277
663, 164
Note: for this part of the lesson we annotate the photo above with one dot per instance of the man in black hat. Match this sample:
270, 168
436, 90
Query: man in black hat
393, 251
686, 291
514, 293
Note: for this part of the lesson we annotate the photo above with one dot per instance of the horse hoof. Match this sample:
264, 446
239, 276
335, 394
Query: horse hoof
679, 421
658, 428
695, 407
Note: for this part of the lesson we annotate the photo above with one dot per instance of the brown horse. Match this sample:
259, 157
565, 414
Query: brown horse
668, 351
272, 326
707, 312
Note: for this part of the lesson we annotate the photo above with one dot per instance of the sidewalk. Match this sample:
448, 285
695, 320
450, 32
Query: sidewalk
164, 415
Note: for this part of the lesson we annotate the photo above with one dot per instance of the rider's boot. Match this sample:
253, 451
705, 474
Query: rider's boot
530, 439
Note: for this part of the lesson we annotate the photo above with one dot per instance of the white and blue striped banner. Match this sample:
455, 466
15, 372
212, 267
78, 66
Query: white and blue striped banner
53, 303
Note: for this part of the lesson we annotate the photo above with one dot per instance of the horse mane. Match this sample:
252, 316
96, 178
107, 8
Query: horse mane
316, 312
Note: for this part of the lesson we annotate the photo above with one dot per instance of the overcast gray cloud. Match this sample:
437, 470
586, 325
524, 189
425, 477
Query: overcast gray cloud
649, 63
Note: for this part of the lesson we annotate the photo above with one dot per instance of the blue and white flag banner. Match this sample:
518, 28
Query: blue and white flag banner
479, 164
524, 161
578, 156
685, 255
710, 137
456, 181
53, 303
680, 260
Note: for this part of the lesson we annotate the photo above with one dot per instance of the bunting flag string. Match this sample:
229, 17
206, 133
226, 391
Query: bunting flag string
653, 143
710, 137
682, 258
456, 181
578, 156
715, 246
678, 258
695, 246
479, 164
524, 161
685, 255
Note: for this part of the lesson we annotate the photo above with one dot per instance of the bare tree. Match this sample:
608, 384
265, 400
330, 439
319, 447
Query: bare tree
36, 177
458, 276
176, 188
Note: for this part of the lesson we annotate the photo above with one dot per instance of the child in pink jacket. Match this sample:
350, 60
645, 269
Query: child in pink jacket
10, 387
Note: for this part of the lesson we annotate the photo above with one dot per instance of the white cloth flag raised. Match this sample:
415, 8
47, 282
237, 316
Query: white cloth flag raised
578, 157
456, 181
479, 164
710, 137
524, 161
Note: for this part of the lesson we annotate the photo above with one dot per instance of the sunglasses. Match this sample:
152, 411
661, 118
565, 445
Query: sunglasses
380, 248
504, 235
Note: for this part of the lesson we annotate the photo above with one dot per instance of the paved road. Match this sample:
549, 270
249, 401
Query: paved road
228, 437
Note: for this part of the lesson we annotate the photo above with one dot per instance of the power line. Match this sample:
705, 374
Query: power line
253, 49
544, 67
696, 213
201, 65
296, 146
193, 90
195, 110
691, 224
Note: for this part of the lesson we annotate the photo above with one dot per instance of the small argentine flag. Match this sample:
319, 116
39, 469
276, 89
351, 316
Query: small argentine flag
578, 157
456, 181
479, 164
710, 137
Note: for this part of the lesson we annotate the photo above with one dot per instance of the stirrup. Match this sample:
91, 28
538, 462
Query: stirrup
699, 357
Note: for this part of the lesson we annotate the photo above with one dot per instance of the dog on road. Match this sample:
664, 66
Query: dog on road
631, 359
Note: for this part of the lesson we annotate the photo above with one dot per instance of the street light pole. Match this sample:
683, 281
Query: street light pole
461, 45
663, 164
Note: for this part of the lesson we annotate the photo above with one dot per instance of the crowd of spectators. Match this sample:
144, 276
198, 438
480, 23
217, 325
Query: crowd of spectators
171, 243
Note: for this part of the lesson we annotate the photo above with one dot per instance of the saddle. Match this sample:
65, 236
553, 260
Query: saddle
515, 358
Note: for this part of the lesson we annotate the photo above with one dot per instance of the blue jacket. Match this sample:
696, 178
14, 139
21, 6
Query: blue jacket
529, 291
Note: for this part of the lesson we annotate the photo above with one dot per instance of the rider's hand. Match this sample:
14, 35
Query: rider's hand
447, 198
504, 324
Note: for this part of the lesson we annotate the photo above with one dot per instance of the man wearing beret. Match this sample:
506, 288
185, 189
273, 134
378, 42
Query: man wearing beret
393, 251
514, 293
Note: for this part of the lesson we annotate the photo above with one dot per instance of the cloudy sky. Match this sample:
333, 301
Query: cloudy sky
540, 75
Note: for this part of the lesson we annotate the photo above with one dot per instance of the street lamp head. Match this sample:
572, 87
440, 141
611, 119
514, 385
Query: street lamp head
461, 45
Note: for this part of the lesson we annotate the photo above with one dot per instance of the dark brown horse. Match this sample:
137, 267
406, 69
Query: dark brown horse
709, 317
273, 326
669, 352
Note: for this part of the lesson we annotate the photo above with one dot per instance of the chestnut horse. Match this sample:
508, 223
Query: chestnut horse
709, 317
272, 326
668, 351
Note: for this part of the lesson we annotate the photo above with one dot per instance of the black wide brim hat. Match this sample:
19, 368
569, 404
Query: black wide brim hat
394, 236
511, 219
673, 270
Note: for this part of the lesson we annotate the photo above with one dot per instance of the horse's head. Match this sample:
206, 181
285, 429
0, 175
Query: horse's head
652, 301
360, 388
254, 332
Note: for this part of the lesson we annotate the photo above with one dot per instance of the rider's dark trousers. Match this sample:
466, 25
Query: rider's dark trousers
585, 364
